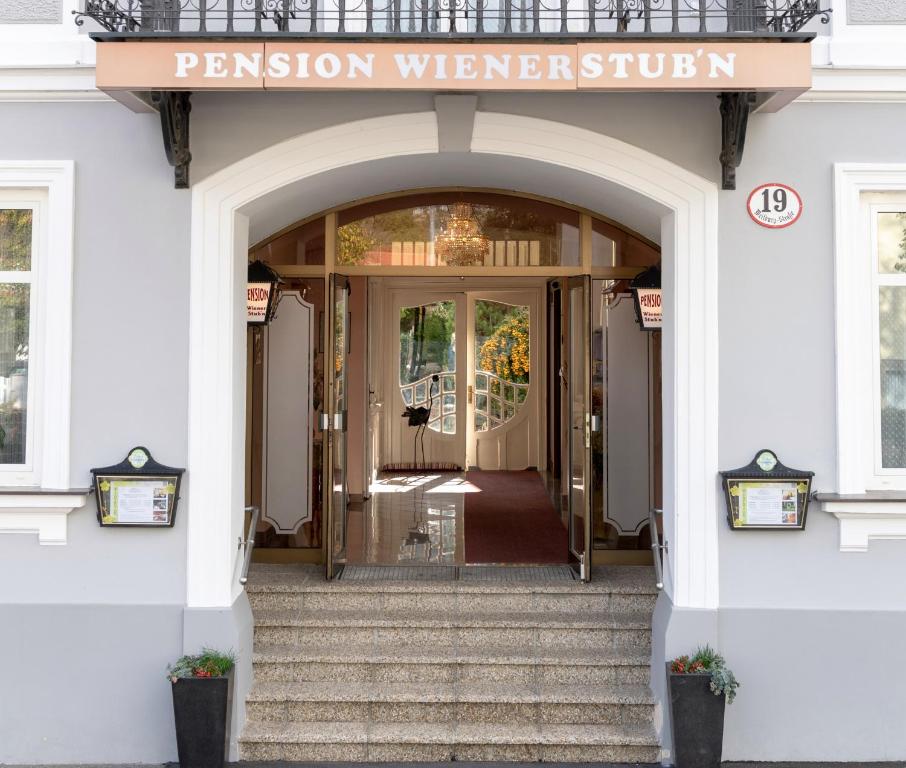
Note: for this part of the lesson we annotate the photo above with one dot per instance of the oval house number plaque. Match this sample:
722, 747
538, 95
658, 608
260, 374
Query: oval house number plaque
774, 206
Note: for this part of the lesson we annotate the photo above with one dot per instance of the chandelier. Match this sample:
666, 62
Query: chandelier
461, 244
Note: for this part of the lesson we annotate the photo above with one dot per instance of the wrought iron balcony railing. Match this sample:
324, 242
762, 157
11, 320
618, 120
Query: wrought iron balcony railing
453, 18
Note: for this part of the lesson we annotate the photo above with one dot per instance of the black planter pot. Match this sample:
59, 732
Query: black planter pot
696, 720
202, 707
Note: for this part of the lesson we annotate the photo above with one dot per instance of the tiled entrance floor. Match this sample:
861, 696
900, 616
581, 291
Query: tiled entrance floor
410, 518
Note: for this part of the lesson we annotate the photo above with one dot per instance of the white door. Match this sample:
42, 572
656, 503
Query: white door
502, 344
425, 376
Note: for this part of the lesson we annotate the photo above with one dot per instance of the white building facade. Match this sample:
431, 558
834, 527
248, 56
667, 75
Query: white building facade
124, 323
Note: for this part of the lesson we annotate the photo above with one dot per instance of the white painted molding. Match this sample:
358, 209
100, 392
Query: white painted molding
864, 521
50, 84
853, 316
856, 85
44, 514
52, 276
217, 323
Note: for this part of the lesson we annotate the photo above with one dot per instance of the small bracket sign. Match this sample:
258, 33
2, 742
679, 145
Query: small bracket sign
138, 492
765, 494
774, 205
646, 295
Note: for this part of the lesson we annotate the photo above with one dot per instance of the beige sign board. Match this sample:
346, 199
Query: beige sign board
648, 66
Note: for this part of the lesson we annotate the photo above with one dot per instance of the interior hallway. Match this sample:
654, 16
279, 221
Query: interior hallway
456, 518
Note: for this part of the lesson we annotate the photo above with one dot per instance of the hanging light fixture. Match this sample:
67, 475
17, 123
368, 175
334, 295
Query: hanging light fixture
461, 243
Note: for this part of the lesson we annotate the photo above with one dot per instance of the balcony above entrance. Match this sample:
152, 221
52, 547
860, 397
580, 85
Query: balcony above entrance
458, 18
153, 54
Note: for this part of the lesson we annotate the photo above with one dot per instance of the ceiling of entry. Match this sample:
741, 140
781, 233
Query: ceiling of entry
297, 201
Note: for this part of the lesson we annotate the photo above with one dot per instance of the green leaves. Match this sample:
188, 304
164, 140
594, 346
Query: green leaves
708, 661
208, 663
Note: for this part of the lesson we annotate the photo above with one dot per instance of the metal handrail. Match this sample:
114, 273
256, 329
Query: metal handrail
657, 549
248, 544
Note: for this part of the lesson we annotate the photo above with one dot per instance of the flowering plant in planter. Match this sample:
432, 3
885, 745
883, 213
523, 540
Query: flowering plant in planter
202, 686
208, 663
699, 688
708, 661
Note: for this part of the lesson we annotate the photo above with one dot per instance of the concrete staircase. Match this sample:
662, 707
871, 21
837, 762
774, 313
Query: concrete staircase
436, 671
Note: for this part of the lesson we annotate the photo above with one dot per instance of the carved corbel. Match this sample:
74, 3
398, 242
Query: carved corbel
174, 108
734, 117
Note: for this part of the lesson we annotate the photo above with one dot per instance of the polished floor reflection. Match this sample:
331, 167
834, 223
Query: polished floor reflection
410, 518
423, 518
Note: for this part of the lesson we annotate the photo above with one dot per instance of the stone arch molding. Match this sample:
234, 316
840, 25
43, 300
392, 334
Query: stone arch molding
219, 245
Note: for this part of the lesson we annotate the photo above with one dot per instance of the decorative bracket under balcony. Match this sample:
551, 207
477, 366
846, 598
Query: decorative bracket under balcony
734, 118
174, 108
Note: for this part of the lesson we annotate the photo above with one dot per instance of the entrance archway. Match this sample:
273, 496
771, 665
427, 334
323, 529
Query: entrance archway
221, 208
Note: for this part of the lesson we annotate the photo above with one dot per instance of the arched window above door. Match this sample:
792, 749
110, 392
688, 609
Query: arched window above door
458, 229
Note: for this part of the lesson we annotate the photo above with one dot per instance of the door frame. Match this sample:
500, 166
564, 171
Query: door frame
583, 560
333, 423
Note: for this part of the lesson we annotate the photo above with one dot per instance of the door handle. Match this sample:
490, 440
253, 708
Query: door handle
469, 394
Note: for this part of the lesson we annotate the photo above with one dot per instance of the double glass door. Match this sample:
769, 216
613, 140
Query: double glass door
467, 359
464, 367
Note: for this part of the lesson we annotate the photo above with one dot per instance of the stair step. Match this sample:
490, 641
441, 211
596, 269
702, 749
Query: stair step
385, 742
444, 703
431, 629
416, 601
300, 578
494, 619
404, 663
294, 587
488, 655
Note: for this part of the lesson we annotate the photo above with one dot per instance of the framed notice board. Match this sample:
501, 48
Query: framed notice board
765, 494
138, 492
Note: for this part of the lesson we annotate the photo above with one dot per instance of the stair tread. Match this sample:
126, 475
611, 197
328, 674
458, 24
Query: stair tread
263, 578
271, 691
294, 732
446, 619
396, 653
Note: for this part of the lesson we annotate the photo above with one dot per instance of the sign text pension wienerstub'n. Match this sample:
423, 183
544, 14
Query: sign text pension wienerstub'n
688, 66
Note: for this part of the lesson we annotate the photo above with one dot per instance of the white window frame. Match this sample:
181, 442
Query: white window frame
34, 200
44, 498
878, 475
857, 280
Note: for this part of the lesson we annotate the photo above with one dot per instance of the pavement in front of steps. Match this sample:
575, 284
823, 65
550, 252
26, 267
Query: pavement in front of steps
817, 764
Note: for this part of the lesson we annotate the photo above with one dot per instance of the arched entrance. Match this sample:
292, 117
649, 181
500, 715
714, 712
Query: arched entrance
224, 204
450, 283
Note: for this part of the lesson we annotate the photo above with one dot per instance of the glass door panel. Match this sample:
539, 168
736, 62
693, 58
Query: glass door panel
428, 363
335, 483
501, 378
577, 375
426, 381
503, 412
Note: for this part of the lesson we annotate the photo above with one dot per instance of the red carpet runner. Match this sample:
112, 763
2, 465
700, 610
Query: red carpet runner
512, 520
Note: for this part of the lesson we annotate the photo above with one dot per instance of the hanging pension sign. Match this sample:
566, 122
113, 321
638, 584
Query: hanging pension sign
259, 296
648, 308
774, 205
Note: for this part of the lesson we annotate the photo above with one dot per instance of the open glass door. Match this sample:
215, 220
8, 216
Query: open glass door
335, 467
577, 383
